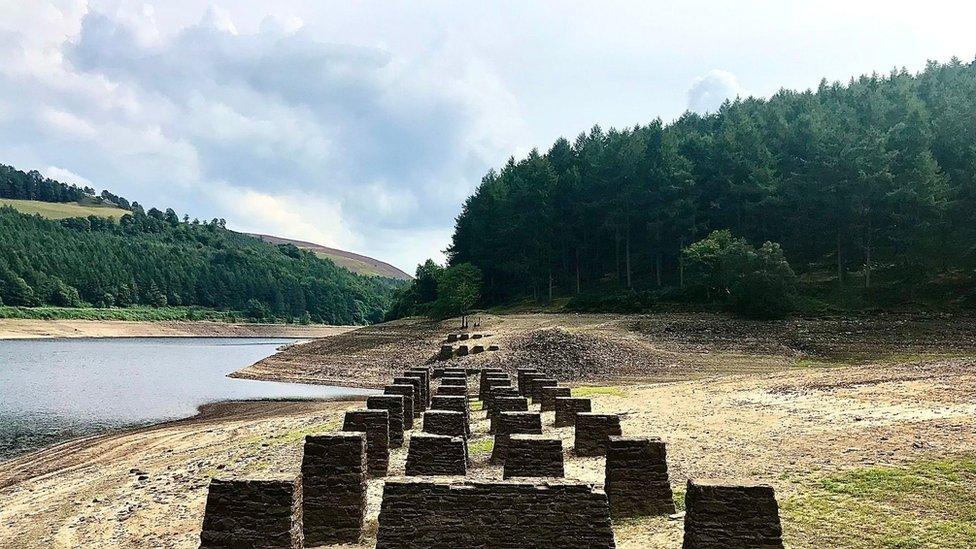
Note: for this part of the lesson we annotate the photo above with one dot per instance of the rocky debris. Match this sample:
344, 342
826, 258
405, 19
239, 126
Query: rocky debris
557, 514
533, 456
376, 425
636, 480
333, 488
252, 513
512, 423
721, 514
431, 454
567, 408
393, 404
593, 432
547, 397
571, 356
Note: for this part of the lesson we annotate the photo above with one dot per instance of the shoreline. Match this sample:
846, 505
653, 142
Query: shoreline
33, 329
214, 413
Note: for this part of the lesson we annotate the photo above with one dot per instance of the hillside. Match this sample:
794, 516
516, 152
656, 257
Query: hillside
359, 264
866, 187
63, 210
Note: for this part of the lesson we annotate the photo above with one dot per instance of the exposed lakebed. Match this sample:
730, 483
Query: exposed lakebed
55, 390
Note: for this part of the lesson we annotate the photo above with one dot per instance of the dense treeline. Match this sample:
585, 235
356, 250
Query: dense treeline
869, 188
156, 259
32, 185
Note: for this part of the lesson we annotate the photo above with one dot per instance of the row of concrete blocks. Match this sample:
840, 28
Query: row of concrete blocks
636, 477
448, 351
316, 509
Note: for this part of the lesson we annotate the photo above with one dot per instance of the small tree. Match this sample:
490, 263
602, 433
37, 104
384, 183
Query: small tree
255, 310
458, 289
755, 283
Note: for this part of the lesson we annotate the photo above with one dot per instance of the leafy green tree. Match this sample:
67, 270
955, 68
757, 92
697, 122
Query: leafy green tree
755, 283
458, 289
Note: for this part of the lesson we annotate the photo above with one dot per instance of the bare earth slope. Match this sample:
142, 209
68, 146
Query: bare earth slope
14, 328
357, 263
867, 430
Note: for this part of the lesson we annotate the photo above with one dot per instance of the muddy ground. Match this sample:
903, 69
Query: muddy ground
866, 429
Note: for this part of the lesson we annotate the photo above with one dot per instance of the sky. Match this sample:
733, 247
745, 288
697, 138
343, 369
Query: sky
364, 125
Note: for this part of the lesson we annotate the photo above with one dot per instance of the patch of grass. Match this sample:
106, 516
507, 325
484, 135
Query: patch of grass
481, 447
929, 504
477, 406
591, 390
63, 210
678, 495
295, 435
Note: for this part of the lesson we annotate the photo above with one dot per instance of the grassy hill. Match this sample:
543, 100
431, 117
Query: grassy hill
62, 210
359, 264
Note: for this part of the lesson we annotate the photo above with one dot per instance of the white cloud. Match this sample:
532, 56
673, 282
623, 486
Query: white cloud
708, 92
275, 129
66, 176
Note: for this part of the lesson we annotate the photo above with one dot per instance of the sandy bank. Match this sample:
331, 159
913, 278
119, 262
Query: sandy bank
12, 328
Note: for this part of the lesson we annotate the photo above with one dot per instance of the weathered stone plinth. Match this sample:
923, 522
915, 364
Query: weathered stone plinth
424, 375
454, 370
452, 390
513, 423
513, 514
333, 488
405, 391
493, 380
506, 404
464, 337
446, 352
430, 455
593, 432
252, 513
376, 425
533, 456
444, 422
451, 338
536, 385
498, 391
567, 408
520, 377
419, 399
454, 382
394, 405
454, 403
525, 382
636, 480
722, 514
547, 397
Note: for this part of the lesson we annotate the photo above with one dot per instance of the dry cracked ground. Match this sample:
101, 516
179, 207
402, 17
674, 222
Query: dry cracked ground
865, 427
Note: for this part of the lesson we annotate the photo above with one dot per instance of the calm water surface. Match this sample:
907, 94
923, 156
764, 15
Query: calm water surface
56, 389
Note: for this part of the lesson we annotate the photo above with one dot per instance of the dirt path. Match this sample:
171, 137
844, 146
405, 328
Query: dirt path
13, 328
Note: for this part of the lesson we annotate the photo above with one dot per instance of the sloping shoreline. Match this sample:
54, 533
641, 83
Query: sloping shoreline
13, 328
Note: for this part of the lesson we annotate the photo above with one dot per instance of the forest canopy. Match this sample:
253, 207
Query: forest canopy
156, 259
868, 190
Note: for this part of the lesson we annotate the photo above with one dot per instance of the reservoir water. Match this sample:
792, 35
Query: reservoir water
57, 389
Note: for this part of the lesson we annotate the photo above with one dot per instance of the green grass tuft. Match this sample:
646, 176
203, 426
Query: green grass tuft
927, 504
597, 390
481, 447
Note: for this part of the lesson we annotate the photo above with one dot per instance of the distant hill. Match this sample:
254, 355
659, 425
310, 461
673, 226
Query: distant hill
359, 264
63, 210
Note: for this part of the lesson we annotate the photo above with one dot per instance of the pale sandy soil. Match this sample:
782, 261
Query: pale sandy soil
14, 328
763, 418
